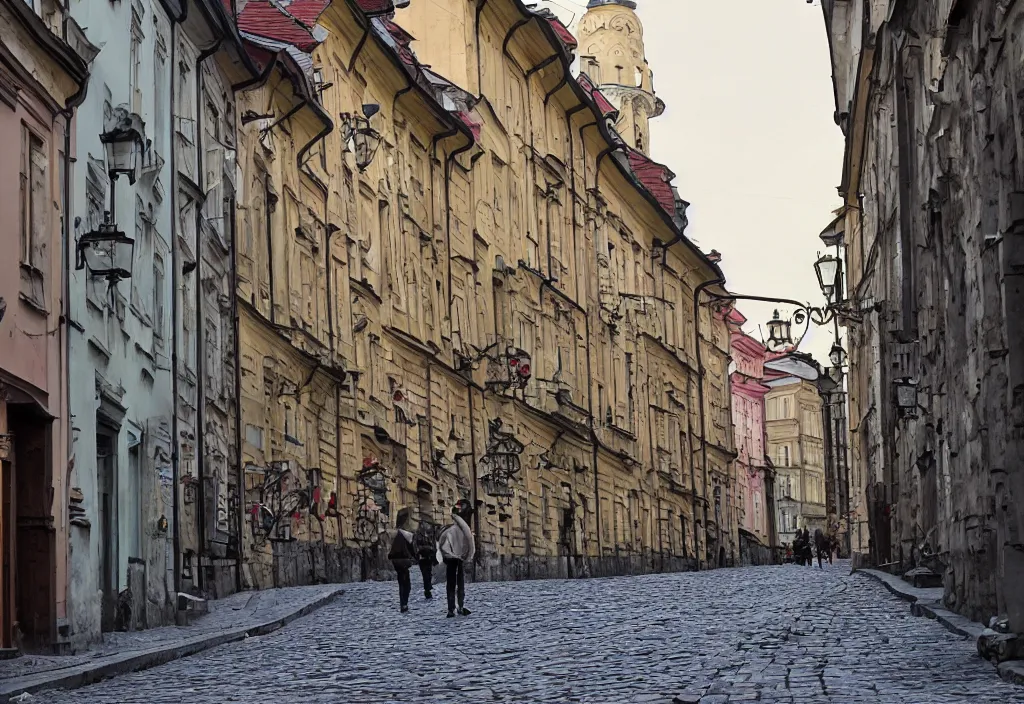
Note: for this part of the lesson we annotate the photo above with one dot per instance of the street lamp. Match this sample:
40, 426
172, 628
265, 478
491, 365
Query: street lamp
780, 334
358, 137
827, 268
837, 355
107, 252
123, 144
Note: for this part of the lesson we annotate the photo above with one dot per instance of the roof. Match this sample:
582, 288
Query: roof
563, 33
268, 19
376, 7
603, 104
655, 178
306, 11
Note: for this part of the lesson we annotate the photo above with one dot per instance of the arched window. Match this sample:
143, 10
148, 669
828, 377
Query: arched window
638, 76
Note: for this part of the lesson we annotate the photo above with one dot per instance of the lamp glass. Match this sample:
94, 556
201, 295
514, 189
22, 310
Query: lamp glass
827, 268
779, 335
123, 150
108, 252
837, 355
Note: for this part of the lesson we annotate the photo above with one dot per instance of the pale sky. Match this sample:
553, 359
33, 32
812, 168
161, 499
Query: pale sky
750, 135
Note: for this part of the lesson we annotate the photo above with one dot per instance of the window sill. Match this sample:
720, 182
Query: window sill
33, 304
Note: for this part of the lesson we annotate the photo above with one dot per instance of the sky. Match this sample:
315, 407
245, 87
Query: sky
749, 133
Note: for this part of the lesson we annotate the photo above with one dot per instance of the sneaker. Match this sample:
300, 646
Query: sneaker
451, 614
428, 595
405, 609
464, 611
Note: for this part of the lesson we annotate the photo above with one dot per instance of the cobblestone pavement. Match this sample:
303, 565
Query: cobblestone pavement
770, 634
236, 611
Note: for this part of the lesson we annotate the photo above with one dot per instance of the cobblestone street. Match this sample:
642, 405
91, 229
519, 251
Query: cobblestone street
775, 634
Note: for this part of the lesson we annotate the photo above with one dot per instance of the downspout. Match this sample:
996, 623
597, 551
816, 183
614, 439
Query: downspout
66, 247
481, 4
200, 319
175, 282
237, 356
600, 158
472, 448
268, 226
700, 388
449, 163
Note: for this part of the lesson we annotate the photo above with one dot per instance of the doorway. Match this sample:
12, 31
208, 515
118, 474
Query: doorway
106, 505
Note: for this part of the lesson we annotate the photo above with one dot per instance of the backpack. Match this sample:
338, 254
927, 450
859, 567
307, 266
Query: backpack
424, 542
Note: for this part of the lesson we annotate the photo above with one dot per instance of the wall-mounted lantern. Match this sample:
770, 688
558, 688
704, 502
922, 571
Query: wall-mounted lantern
906, 397
837, 355
780, 335
827, 269
358, 137
124, 145
107, 252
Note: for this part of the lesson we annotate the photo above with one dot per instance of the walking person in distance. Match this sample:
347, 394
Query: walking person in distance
403, 557
426, 554
457, 547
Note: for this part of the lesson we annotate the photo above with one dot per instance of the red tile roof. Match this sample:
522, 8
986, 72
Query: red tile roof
603, 104
655, 178
307, 11
376, 7
471, 122
265, 18
563, 33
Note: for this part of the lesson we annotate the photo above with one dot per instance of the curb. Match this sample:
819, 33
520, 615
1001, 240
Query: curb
923, 603
103, 668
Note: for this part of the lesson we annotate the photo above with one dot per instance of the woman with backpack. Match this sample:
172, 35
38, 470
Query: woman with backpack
403, 557
425, 544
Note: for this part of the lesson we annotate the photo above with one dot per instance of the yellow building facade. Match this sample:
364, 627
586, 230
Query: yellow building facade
498, 307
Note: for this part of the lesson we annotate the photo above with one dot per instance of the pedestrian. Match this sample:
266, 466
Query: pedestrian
833, 548
457, 547
425, 543
403, 558
805, 540
821, 545
798, 548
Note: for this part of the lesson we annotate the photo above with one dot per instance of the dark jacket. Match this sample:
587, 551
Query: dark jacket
401, 553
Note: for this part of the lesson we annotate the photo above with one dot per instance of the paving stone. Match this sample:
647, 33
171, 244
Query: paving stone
769, 634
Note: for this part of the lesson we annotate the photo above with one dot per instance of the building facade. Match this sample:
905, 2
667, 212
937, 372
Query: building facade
931, 183
497, 306
151, 352
43, 76
793, 416
755, 475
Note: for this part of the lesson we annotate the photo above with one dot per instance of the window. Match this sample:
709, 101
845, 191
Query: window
629, 389
638, 77
592, 68
785, 455
33, 198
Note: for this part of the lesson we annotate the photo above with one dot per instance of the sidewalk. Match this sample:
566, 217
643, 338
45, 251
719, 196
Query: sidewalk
928, 602
230, 619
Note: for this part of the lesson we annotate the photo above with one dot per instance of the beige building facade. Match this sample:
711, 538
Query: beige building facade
793, 420
499, 307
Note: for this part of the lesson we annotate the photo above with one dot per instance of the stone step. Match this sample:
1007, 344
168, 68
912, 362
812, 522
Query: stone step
923, 578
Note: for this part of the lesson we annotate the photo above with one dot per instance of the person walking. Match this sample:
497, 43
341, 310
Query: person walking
798, 548
457, 547
402, 558
822, 546
425, 544
805, 540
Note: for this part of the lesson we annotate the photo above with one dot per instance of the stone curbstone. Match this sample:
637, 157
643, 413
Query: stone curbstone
77, 676
1011, 671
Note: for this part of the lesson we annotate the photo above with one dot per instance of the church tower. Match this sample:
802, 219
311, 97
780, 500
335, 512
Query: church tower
611, 41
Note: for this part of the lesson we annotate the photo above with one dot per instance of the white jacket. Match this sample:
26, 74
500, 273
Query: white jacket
457, 542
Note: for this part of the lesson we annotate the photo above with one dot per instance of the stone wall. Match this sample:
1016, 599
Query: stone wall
933, 264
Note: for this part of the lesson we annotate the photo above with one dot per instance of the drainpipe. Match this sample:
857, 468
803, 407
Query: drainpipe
700, 389
237, 356
481, 4
449, 163
65, 328
200, 319
175, 281
472, 448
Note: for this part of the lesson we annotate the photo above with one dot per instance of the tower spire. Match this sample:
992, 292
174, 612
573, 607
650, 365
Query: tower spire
611, 41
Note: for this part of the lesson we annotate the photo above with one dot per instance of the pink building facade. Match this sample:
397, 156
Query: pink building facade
753, 470
41, 81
